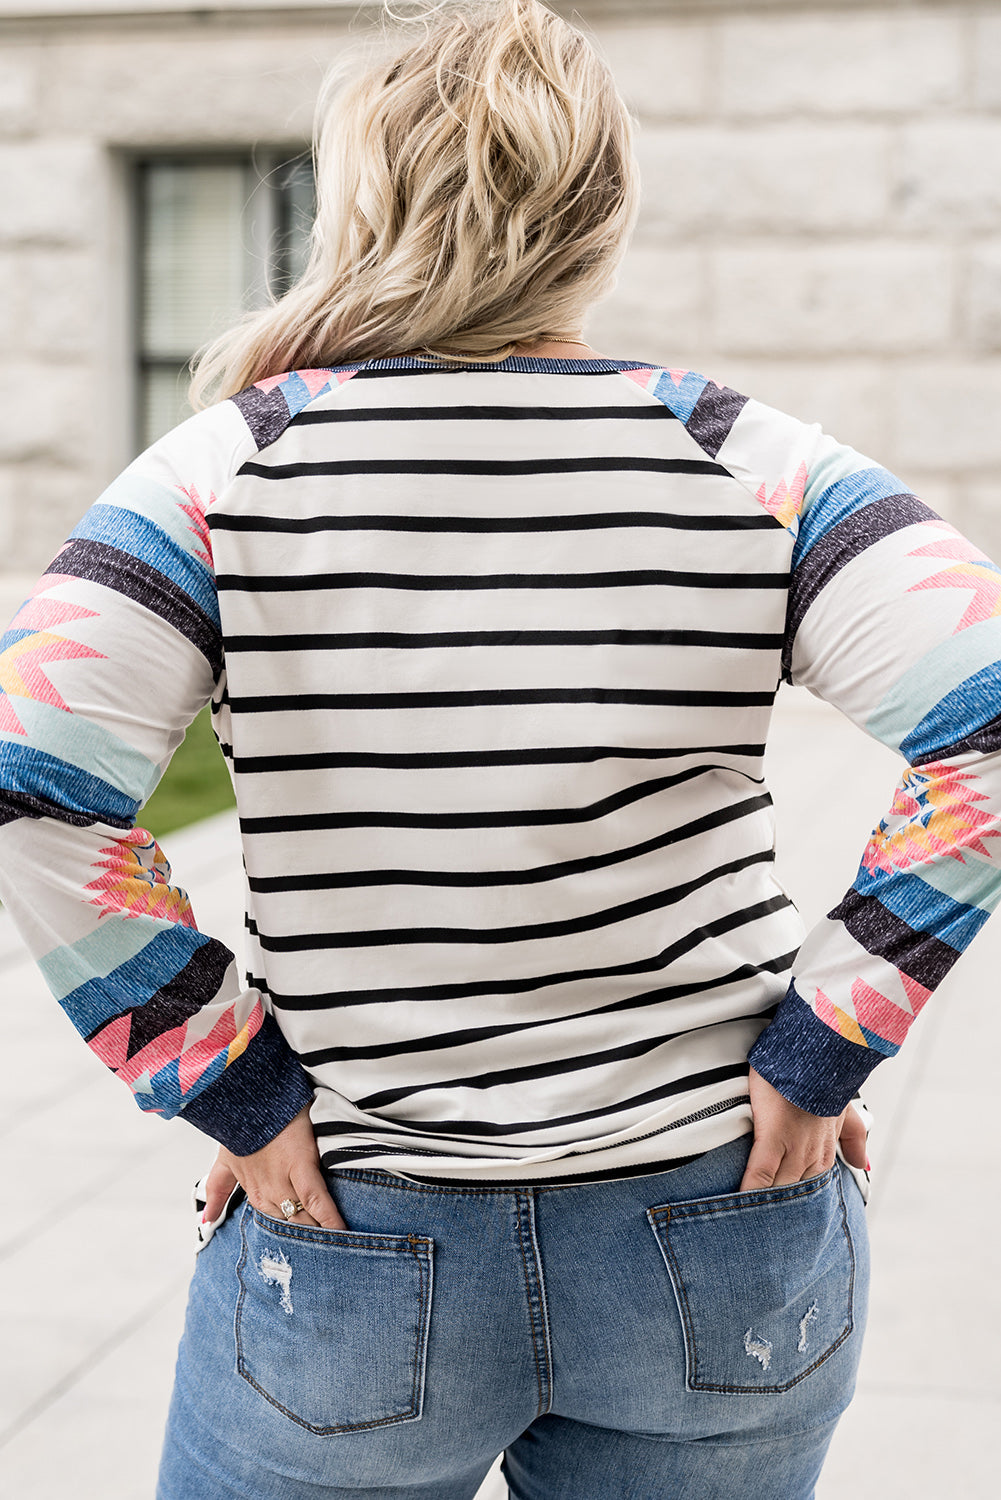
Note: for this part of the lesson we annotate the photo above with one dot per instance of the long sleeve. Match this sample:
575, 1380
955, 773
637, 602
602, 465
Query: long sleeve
101, 671
895, 618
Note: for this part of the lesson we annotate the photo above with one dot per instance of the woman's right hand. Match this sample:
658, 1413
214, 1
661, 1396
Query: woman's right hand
287, 1167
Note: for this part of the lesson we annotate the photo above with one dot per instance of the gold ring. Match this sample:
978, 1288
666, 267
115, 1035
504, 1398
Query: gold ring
290, 1209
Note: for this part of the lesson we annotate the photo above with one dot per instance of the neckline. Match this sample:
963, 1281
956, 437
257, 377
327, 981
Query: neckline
514, 363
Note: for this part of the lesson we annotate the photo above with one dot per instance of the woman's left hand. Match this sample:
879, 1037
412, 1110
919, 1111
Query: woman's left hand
791, 1145
287, 1167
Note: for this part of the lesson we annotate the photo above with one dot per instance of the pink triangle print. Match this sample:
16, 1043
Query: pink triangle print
42, 613
22, 666
314, 380
969, 570
195, 510
196, 1058
112, 1044
641, 377
786, 500
877, 1012
9, 721
915, 992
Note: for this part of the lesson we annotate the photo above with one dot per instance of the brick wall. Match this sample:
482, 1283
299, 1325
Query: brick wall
821, 222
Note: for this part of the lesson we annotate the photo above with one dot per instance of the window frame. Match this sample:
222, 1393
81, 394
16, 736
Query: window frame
267, 221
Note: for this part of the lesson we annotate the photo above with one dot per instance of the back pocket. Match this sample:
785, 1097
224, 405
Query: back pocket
764, 1282
332, 1326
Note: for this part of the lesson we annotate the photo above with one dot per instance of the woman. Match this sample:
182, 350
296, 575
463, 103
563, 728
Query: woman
529, 1108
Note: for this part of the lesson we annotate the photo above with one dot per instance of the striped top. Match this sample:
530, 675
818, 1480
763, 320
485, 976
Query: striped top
492, 652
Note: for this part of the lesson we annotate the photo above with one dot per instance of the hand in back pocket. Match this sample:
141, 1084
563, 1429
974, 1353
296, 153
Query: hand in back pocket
764, 1282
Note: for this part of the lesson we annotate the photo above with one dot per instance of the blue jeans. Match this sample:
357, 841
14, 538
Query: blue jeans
652, 1337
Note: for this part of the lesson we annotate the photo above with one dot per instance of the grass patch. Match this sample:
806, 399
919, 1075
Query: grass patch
196, 785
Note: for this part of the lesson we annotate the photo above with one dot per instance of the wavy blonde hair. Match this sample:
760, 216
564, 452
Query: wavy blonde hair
476, 189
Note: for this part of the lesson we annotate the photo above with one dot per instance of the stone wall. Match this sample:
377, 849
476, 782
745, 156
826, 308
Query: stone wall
822, 226
821, 223
76, 98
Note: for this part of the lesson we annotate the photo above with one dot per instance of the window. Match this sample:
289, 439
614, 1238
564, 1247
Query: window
216, 234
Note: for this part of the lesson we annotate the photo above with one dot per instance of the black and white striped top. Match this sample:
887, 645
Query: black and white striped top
492, 651
501, 648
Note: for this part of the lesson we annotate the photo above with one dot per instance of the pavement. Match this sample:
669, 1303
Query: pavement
96, 1233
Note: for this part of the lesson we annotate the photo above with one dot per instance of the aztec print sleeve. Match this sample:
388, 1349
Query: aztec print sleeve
895, 618
101, 671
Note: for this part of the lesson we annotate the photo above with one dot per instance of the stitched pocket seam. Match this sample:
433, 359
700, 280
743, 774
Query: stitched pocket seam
705, 1207
423, 1259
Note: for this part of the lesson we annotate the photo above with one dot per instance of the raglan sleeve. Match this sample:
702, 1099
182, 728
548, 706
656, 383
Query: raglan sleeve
101, 670
894, 617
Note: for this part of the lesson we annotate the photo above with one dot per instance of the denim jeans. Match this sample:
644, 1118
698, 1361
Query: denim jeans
650, 1337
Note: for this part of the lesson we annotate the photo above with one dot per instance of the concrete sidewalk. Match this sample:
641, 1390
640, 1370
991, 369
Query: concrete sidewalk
95, 1231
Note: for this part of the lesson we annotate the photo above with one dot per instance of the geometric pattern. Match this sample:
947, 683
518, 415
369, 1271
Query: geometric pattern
168, 1052
707, 408
839, 1020
137, 881
875, 1019
932, 816
200, 528
786, 500
969, 570
33, 645
679, 390
269, 405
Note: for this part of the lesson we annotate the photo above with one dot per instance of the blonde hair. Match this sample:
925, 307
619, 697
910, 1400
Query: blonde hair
475, 191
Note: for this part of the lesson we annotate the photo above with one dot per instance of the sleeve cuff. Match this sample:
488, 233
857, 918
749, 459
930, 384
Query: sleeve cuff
810, 1065
255, 1097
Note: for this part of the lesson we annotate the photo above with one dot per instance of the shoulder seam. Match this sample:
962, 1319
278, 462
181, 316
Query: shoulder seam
710, 452
270, 406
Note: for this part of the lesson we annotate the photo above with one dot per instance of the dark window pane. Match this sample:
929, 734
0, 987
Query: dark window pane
217, 237
194, 270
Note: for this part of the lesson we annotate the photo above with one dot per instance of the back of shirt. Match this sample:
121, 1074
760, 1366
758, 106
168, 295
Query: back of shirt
501, 648
492, 651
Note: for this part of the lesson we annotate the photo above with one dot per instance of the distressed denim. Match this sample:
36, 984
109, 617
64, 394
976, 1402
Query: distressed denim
650, 1337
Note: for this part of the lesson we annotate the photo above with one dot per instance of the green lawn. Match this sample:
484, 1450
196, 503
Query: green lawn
196, 784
